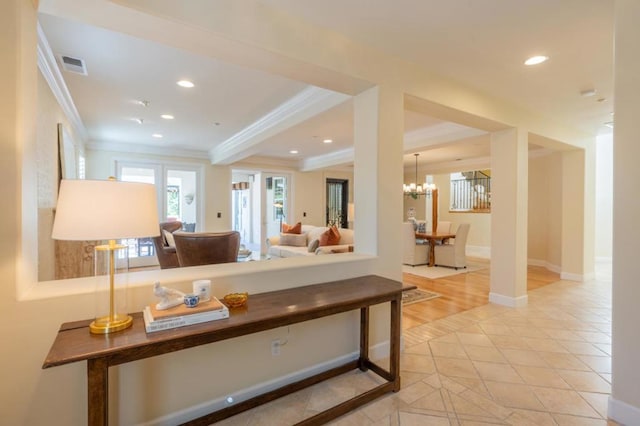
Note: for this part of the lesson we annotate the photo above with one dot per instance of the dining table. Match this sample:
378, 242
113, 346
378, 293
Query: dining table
432, 238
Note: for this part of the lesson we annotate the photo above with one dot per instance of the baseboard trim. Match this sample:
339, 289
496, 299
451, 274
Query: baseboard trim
512, 302
550, 266
574, 277
481, 252
376, 352
622, 412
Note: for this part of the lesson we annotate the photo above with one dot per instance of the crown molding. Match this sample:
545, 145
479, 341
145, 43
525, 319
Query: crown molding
145, 149
51, 73
275, 163
304, 105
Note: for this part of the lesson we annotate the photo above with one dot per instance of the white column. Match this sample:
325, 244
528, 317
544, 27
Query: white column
509, 193
378, 177
624, 403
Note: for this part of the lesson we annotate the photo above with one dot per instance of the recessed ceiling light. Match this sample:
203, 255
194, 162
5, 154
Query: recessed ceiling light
167, 116
156, 135
143, 103
138, 120
293, 151
609, 124
185, 83
535, 60
327, 141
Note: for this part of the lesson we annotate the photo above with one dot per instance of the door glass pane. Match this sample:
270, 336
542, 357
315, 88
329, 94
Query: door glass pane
276, 206
141, 250
337, 194
181, 198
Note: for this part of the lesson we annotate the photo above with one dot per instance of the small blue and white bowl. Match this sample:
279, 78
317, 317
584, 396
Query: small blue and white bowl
191, 300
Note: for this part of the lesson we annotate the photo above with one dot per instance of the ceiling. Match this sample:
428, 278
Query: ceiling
479, 44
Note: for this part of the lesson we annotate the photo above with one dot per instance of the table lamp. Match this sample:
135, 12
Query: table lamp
106, 210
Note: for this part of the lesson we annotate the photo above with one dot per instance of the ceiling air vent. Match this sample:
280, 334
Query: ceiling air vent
73, 65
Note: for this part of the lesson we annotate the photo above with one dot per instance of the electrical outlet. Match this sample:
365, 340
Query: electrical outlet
275, 347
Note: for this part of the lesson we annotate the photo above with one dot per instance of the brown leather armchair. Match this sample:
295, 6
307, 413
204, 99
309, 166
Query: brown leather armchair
205, 248
167, 256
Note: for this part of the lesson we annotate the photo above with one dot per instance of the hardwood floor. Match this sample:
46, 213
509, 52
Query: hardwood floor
460, 292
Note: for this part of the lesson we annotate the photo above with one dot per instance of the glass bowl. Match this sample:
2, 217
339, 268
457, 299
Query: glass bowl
236, 300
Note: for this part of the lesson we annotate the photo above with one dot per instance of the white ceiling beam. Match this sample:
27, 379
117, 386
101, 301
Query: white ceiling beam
342, 157
306, 104
438, 135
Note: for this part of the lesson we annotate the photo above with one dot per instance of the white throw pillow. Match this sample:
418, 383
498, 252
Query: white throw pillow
169, 237
313, 245
296, 240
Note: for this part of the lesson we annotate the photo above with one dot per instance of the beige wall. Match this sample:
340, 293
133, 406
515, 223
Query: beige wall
545, 211
49, 114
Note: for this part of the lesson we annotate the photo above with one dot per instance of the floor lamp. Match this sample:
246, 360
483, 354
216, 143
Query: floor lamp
106, 210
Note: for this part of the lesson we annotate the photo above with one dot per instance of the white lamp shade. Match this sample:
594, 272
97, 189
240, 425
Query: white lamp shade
105, 210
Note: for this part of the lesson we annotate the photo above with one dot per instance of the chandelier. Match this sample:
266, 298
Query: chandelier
415, 190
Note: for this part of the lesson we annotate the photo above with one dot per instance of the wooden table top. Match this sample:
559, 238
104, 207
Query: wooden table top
263, 312
434, 235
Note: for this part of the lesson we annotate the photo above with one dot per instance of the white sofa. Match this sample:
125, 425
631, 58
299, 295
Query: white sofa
306, 243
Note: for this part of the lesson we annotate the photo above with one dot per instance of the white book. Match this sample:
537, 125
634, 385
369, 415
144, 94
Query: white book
152, 325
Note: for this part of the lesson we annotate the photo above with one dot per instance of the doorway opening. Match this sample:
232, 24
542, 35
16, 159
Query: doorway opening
260, 203
337, 202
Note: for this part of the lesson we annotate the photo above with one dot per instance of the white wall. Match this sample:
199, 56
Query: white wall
604, 197
624, 402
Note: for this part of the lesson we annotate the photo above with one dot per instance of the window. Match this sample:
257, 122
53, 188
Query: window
471, 191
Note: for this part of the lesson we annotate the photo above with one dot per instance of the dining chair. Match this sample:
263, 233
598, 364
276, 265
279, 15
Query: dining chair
454, 254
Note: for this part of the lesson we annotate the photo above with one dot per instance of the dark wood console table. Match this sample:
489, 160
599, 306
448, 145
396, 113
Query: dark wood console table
264, 311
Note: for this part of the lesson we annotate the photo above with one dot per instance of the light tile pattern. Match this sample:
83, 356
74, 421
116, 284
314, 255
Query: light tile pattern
545, 364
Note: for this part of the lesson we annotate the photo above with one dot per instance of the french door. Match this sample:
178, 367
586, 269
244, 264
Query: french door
276, 208
337, 202
177, 190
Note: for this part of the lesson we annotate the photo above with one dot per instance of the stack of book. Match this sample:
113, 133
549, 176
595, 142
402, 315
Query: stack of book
181, 315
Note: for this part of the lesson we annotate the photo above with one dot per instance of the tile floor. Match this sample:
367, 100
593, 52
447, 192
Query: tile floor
546, 364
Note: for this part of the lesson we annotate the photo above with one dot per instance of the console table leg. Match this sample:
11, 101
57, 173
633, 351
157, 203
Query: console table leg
364, 338
394, 343
98, 392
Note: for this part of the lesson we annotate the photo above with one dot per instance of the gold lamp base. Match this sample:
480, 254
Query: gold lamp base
106, 325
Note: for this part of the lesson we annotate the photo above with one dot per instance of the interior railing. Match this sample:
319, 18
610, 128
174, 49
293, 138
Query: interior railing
471, 193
